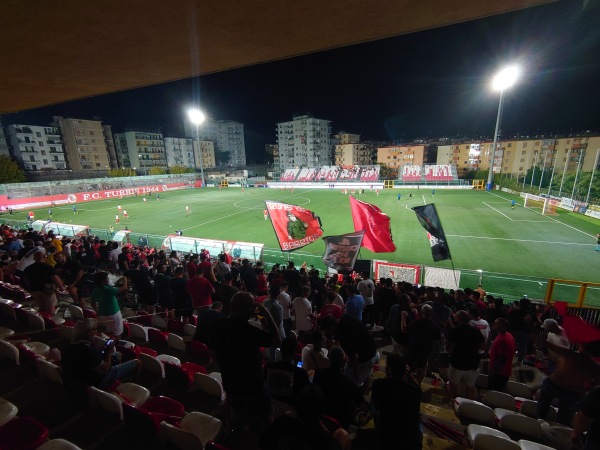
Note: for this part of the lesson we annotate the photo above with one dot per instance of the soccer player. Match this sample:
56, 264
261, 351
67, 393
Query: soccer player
377, 192
125, 214
119, 207
117, 219
75, 210
513, 203
157, 196
399, 197
433, 193
31, 216
145, 201
187, 210
50, 214
598, 243
266, 213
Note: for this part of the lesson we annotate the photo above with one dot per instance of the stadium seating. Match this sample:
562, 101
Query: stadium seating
474, 411
512, 421
195, 429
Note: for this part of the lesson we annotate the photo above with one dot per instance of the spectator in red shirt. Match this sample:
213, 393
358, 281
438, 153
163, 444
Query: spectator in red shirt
200, 291
501, 356
330, 308
192, 267
205, 263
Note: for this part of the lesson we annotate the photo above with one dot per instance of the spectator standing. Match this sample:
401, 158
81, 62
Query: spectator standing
200, 291
248, 277
142, 285
366, 288
285, 301
162, 288
182, 302
104, 300
502, 351
397, 427
422, 333
588, 419
237, 349
464, 344
41, 280
355, 303
303, 312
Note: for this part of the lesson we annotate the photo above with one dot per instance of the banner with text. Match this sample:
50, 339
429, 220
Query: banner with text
294, 226
341, 251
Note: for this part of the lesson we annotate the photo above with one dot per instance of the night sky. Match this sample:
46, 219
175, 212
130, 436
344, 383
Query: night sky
428, 84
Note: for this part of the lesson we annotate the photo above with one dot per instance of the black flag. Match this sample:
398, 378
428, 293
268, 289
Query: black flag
429, 219
341, 251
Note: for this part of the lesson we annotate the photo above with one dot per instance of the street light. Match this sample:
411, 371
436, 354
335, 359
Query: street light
197, 117
503, 80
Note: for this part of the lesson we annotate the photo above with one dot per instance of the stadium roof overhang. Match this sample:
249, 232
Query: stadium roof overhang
60, 51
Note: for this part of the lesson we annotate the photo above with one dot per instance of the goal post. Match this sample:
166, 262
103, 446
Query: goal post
545, 204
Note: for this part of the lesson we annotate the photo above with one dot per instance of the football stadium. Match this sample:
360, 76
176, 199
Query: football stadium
511, 250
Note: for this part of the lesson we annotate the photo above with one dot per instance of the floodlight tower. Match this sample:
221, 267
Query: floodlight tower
197, 117
502, 81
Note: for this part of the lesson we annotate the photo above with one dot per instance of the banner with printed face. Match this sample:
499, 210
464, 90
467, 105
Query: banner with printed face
341, 251
295, 227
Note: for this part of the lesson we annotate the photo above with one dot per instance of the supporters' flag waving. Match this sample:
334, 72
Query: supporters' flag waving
429, 219
294, 226
341, 251
376, 225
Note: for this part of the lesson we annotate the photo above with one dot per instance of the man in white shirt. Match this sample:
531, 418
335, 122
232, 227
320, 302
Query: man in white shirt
303, 312
113, 256
479, 324
285, 301
556, 333
366, 288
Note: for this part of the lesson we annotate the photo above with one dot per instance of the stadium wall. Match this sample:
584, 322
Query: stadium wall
62, 199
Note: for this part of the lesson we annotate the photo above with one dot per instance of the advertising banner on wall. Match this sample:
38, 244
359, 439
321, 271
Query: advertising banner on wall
63, 199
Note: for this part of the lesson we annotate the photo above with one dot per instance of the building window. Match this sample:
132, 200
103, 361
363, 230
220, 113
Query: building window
38, 134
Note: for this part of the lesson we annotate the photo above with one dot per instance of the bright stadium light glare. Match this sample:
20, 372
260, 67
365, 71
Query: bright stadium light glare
505, 78
196, 116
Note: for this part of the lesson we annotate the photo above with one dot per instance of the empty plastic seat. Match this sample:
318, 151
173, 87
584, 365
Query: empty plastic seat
23, 433
8, 311
530, 409
132, 393
5, 332
159, 322
36, 322
10, 351
189, 329
502, 400
144, 318
199, 350
482, 381
194, 431
517, 389
47, 369
182, 375
175, 326
76, 312
480, 437
8, 411
529, 445
474, 411
210, 385
107, 401
176, 342
152, 364
156, 336
58, 444
66, 332
512, 421
138, 332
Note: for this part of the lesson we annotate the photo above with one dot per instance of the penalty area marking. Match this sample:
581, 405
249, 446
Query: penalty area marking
554, 220
510, 218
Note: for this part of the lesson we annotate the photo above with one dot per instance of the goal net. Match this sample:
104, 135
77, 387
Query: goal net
546, 206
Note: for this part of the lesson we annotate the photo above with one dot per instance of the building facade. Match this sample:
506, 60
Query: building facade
3, 143
227, 137
113, 162
141, 150
395, 156
206, 151
84, 143
304, 141
36, 148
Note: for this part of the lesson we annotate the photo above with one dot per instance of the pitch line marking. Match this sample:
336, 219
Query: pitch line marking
554, 220
518, 240
499, 212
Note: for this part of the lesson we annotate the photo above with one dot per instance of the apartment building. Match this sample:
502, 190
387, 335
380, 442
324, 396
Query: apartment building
84, 144
113, 162
395, 156
206, 151
36, 148
305, 141
141, 150
227, 136
3, 144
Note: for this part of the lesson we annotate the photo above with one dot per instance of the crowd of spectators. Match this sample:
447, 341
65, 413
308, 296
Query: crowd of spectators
296, 336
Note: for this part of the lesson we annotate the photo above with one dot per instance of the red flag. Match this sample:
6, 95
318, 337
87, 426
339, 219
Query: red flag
294, 226
378, 236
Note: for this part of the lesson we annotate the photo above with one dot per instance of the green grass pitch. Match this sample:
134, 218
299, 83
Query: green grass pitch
517, 249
